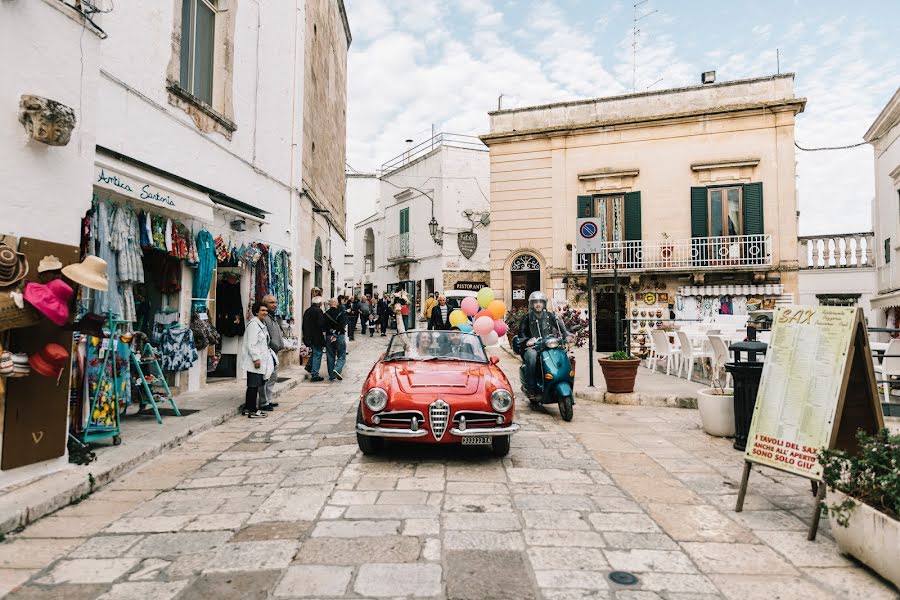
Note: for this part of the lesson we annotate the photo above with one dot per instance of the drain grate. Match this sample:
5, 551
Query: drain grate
623, 578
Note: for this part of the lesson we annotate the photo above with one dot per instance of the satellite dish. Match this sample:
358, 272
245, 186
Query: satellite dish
485, 218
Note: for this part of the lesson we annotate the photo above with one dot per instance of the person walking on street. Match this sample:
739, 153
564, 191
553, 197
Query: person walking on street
336, 339
276, 344
353, 315
430, 303
314, 336
384, 314
256, 359
365, 311
440, 315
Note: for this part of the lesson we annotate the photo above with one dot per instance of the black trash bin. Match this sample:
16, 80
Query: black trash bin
746, 372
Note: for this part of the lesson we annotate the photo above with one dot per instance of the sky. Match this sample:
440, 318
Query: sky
444, 63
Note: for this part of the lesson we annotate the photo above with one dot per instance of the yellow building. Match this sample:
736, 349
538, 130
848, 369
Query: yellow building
696, 186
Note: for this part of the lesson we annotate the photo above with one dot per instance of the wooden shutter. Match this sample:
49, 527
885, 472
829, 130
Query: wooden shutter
633, 216
753, 209
887, 251
699, 212
404, 220
585, 207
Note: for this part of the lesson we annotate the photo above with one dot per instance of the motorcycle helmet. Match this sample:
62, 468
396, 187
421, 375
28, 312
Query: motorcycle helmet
536, 297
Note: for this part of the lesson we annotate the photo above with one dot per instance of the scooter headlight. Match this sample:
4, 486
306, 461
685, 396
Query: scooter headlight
501, 400
551, 343
376, 399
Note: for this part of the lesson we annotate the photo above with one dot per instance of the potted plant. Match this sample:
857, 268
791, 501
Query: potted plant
513, 319
865, 489
716, 406
305, 352
619, 372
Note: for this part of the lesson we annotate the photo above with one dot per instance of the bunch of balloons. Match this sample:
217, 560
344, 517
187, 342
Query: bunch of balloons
483, 315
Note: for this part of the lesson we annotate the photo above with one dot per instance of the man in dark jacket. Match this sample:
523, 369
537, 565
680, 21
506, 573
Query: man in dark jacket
314, 336
440, 315
383, 310
353, 316
335, 339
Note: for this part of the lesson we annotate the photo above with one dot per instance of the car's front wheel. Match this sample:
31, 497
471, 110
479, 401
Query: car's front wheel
500, 445
368, 444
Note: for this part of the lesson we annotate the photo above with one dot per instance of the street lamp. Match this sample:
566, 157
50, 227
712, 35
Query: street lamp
615, 252
437, 233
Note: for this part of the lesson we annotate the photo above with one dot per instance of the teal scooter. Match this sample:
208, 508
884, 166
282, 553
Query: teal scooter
555, 376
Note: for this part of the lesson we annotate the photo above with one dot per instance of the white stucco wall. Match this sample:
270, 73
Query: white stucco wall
839, 281
362, 200
47, 54
885, 210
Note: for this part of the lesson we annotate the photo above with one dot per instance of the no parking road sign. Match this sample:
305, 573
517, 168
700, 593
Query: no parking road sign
588, 241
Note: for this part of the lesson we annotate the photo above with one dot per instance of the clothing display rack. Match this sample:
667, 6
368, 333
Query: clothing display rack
96, 429
151, 383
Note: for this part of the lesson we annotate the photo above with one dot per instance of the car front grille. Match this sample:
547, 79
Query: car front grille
477, 418
438, 416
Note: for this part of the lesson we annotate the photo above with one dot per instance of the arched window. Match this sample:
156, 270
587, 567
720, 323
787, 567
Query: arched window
526, 262
318, 260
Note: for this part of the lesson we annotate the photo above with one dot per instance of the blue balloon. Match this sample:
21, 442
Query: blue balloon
466, 328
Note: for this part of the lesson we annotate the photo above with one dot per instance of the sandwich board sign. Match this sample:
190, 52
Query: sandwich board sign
817, 389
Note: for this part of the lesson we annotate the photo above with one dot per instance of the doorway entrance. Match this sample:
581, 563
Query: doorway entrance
525, 278
605, 320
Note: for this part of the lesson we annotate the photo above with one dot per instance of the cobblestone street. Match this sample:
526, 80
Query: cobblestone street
287, 507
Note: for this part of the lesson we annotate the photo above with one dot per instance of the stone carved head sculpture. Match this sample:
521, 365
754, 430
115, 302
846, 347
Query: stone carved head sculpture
46, 120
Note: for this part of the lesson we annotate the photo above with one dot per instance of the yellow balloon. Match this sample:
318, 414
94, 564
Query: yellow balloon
485, 297
458, 317
497, 308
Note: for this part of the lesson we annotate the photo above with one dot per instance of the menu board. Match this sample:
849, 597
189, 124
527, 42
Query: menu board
801, 387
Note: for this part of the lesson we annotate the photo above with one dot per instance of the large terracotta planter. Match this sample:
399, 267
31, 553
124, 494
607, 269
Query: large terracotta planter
717, 411
619, 374
872, 537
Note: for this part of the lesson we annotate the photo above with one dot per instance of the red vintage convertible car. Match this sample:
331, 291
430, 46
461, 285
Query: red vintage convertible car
436, 387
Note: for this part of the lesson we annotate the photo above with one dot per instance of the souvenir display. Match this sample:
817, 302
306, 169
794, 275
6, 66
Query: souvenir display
21, 367
49, 263
650, 298
50, 361
51, 299
13, 265
91, 273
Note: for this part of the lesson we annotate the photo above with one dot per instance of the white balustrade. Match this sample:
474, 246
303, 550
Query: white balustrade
837, 251
400, 247
683, 254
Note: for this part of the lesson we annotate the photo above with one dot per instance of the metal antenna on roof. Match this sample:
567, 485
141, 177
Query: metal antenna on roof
635, 32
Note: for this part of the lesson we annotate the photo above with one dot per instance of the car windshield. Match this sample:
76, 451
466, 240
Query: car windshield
436, 345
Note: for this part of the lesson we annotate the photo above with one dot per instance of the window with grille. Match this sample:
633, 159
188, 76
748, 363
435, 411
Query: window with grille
198, 34
838, 299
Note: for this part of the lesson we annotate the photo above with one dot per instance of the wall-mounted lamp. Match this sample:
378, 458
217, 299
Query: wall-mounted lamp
436, 231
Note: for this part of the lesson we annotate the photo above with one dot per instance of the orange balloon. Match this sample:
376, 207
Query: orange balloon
484, 313
497, 308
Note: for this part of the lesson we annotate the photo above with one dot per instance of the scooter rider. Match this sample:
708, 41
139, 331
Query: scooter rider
538, 323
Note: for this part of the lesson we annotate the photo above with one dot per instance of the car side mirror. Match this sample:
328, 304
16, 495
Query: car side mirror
495, 360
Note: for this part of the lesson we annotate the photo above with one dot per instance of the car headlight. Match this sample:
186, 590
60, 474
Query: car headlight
551, 343
501, 400
376, 399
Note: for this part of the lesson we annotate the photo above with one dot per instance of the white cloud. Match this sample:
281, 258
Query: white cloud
762, 31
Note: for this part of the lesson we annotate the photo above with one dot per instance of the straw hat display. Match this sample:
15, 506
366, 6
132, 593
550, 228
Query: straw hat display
90, 273
49, 263
13, 315
13, 265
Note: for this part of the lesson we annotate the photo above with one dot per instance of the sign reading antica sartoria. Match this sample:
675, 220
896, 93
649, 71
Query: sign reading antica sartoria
469, 286
467, 242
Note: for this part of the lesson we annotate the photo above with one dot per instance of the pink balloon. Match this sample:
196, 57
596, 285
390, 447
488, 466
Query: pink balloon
469, 306
500, 327
484, 325
490, 339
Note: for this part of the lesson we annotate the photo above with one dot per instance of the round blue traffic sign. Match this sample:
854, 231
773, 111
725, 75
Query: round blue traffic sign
588, 229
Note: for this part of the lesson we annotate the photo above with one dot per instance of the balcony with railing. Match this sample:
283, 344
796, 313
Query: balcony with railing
416, 152
400, 248
712, 253
840, 251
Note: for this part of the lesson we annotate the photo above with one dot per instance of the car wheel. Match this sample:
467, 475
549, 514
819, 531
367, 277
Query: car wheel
565, 408
500, 445
368, 444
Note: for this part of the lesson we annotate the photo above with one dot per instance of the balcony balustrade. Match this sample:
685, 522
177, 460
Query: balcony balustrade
728, 252
842, 251
400, 248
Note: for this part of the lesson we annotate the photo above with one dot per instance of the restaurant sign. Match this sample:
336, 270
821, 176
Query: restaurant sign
467, 242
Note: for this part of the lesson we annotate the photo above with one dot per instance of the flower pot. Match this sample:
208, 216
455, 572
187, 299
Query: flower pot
619, 374
717, 411
871, 537
509, 338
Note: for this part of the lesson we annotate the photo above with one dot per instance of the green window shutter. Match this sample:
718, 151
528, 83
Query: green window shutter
633, 216
753, 209
887, 251
404, 220
699, 212
585, 207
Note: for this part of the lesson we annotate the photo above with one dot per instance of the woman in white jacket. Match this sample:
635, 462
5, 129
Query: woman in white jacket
256, 358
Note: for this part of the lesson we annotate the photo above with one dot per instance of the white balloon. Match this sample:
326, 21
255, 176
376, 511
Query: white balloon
490, 339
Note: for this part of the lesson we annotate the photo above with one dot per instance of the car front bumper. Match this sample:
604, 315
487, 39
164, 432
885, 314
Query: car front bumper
391, 432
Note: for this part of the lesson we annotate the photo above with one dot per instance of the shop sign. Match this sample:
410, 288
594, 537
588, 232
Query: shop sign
518, 294
133, 189
467, 242
469, 286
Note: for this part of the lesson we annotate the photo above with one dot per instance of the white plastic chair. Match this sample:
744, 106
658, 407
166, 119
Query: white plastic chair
720, 357
890, 367
689, 354
662, 349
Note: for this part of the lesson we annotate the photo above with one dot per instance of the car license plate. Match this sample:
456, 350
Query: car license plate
481, 440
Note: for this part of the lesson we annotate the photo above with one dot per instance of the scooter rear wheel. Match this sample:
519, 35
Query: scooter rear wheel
565, 408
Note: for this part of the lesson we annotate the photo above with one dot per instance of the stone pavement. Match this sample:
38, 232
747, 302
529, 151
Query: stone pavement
287, 507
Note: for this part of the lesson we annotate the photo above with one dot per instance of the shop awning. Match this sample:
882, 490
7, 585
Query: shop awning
141, 185
768, 289
886, 300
